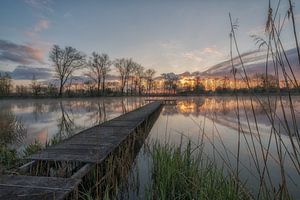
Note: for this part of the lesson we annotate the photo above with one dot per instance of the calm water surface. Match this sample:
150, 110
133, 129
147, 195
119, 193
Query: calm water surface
43, 119
215, 119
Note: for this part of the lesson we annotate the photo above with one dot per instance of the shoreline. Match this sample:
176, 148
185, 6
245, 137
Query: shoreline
145, 96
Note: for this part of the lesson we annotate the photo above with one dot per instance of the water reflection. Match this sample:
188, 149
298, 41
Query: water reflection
46, 119
264, 127
219, 120
12, 131
214, 119
65, 124
219, 105
251, 110
12, 134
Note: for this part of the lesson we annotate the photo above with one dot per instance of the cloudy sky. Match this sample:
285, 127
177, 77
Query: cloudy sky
167, 35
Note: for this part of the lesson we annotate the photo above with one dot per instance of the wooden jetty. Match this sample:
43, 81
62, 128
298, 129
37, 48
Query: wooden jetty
163, 101
86, 149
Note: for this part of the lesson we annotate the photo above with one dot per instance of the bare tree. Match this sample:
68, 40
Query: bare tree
139, 75
65, 61
120, 66
105, 67
95, 72
132, 77
136, 73
149, 75
170, 81
125, 68
266, 81
5, 84
21, 90
35, 86
95, 65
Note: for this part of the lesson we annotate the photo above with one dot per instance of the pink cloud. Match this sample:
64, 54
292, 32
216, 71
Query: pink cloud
192, 56
204, 54
212, 51
21, 53
42, 25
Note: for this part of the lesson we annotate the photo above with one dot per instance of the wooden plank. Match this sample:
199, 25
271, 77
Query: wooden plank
80, 157
106, 130
87, 146
123, 123
20, 193
83, 171
94, 144
33, 187
91, 142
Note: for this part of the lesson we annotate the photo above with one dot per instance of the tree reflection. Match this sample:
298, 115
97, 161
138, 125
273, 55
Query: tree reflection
222, 110
12, 134
220, 106
101, 112
124, 110
38, 109
12, 131
185, 107
66, 126
98, 112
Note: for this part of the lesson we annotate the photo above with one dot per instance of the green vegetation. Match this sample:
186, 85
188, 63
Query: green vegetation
8, 158
5, 84
33, 148
177, 173
185, 174
12, 132
283, 76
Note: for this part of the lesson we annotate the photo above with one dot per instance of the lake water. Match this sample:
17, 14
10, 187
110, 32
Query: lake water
215, 119
44, 119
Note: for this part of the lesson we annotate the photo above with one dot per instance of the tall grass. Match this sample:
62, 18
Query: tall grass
33, 148
8, 159
278, 109
183, 173
12, 132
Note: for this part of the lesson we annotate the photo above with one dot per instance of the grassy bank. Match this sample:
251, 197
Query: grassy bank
10, 159
184, 173
177, 172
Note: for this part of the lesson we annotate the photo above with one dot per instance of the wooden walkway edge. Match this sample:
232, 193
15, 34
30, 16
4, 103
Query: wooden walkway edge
88, 147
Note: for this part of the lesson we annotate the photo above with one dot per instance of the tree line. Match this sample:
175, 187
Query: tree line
134, 79
68, 60
5, 84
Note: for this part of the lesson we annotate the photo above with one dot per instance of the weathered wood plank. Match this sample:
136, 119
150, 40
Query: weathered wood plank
123, 123
81, 155
20, 193
94, 144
